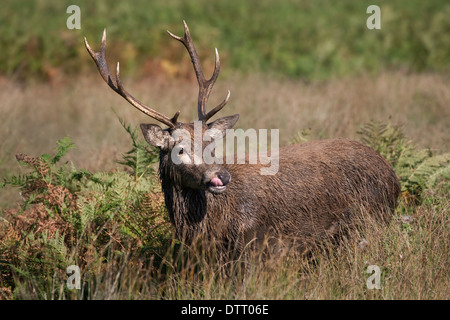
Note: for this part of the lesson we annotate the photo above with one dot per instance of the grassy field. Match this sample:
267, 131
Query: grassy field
110, 221
84, 191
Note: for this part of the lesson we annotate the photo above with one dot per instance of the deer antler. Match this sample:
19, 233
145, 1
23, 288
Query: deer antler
100, 60
205, 86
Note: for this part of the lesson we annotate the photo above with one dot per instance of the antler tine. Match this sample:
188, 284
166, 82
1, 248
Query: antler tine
218, 107
102, 66
205, 86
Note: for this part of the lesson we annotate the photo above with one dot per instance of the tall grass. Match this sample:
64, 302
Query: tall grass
412, 258
114, 227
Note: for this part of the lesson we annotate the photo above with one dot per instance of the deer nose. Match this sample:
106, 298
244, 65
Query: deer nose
224, 177
216, 180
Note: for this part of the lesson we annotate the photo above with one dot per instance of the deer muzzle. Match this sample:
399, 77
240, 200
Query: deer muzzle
216, 182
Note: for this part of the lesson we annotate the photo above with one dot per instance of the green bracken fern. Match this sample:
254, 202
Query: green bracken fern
417, 169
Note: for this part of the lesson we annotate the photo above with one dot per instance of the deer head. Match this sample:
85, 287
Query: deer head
177, 156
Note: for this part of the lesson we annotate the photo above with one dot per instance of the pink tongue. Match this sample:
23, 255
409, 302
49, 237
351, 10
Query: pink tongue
216, 182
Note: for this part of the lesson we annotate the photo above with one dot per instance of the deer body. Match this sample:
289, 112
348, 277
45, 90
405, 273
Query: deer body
315, 194
318, 189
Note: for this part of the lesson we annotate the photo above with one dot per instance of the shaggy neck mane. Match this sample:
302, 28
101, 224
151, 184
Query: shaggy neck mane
187, 207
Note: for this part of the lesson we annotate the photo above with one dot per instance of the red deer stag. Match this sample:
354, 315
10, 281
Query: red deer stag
316, 193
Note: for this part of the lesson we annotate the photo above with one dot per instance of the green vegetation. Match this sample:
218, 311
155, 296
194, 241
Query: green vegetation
72, 216
113, 225
308, 39
417, 170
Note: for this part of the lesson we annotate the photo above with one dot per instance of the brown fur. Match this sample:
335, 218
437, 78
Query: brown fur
319, 188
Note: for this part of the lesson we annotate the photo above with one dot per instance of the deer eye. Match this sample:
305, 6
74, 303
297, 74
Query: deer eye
181, 151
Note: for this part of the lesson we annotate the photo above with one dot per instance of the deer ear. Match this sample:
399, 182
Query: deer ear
222, 124
155, 135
